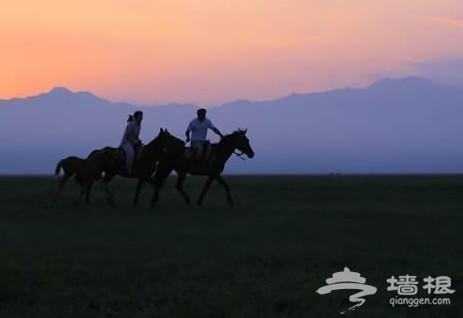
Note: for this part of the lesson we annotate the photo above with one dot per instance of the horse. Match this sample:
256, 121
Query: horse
144, 166
212, 166
86, 172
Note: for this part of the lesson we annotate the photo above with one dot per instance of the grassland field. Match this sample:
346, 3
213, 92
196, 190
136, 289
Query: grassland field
265, 257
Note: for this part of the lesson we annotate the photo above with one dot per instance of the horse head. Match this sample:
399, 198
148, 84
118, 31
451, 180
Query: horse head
168, 141
241, 142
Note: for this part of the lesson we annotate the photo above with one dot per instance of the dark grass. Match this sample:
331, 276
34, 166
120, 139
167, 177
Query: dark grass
266, 257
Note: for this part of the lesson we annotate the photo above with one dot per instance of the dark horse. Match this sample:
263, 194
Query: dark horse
212, 166
85, 172
144, 166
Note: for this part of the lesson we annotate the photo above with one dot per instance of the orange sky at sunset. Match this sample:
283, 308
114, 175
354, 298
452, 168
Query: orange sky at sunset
213, 51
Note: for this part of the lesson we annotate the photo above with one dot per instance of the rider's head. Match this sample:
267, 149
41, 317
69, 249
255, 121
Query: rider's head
201, 114
138, 116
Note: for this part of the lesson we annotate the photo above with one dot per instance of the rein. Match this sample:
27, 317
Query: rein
239, 155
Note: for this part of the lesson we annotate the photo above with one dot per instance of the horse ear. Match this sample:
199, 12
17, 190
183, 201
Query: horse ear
245, 131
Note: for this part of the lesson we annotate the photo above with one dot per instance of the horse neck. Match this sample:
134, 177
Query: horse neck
225, 149
150, 148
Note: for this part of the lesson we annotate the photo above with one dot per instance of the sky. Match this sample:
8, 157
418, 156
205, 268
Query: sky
214, 51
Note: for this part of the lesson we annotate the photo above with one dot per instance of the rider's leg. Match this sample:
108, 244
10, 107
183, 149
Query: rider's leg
130, 152
198, 149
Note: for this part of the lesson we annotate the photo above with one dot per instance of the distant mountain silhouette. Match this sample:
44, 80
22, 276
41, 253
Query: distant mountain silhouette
392, 126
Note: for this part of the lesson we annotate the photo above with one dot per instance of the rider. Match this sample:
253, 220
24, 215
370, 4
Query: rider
198, 129
131, 142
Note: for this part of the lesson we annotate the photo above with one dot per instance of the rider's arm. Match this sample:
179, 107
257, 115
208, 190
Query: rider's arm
187, 132
131, 135
215, 129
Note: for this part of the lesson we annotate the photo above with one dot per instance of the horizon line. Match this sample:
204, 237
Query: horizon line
211, 106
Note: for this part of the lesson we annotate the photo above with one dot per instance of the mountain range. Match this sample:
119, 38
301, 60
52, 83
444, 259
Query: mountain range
404, 125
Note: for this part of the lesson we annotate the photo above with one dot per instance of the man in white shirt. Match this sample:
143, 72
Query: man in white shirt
198, 128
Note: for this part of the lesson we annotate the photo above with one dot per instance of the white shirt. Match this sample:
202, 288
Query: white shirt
199, 129
132, 133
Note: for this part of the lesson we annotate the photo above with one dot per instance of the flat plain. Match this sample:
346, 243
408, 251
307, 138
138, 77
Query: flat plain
264, 257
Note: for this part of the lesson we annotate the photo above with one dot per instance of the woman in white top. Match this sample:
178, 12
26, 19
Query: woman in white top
131, 141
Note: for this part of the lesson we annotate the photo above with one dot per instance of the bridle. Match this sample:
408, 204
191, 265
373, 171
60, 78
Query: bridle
239, 155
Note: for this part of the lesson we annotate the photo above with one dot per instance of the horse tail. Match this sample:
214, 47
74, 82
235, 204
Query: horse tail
59, 165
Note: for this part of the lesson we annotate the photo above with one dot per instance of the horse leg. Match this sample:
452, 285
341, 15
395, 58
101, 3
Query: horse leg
88, 189
109, 194
227, 189
79, 198
137, 191
179, 186
205, 189
157, 187
80, 182
61, 184
108, 177
158, 181
151, 181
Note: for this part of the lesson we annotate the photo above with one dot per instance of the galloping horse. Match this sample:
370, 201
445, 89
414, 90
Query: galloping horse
211, 166
145, 165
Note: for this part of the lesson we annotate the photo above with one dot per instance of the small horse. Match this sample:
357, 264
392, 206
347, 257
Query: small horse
212, 166
145, 165
86, 172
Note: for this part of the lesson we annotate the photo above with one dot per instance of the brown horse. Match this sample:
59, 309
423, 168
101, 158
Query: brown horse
145, 165
212, 166
85, 172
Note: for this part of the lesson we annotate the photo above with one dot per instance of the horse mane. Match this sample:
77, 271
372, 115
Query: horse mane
149, 144
165, 132
236, 132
